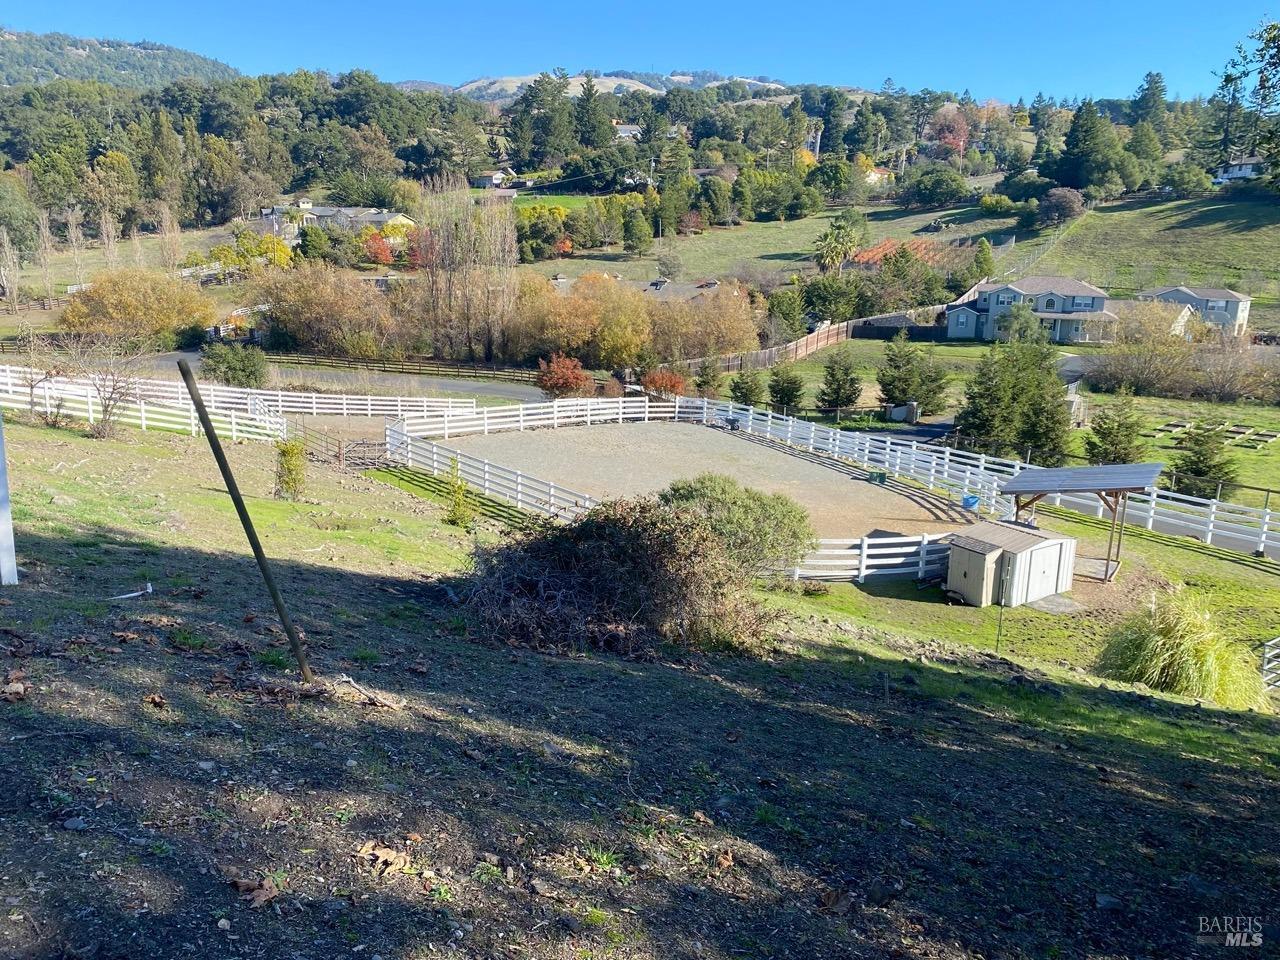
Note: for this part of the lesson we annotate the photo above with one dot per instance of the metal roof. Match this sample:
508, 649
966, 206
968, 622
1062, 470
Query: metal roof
989, 537
1116, 476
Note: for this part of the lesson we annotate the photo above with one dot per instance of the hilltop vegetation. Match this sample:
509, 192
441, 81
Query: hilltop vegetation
44, 57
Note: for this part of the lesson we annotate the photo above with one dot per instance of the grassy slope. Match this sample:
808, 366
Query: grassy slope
776, 247
1122, 247
639, 806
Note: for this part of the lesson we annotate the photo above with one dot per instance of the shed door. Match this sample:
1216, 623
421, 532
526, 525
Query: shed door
1042, 579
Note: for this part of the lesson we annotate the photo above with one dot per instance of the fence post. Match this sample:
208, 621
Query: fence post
486, 478
191, 413
88, 399
1209, 520
862, 559
235, 436
142, 412
924, 546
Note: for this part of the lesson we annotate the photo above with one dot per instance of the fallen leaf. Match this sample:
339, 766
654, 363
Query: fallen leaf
383, 860
156, 700
836, 901
702, 818
413, 837
724, 860
124, 636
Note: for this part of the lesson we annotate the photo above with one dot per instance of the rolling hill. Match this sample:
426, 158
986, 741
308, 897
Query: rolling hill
43, 57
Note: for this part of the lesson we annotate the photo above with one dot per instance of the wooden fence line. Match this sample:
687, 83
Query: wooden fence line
422, 366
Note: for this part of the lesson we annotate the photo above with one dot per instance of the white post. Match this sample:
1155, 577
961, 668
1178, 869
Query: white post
8, 557
1212, 515
924, 547
862, 559
234, 435
88, 399
142, 412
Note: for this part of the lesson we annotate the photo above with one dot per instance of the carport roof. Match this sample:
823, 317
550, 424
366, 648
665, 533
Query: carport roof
1109, 478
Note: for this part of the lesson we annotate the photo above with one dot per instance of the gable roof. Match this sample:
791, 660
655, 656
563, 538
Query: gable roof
1036, 285
1204, 293
990, 536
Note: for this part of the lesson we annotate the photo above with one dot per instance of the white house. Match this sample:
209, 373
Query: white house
1246, 168
1223, 308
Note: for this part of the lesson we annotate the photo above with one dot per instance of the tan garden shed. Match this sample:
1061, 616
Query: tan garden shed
1008, 564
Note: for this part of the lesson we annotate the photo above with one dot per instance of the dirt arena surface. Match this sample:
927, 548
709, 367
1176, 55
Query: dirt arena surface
615, 460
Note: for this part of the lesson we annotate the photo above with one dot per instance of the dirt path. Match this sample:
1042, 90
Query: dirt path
635, 458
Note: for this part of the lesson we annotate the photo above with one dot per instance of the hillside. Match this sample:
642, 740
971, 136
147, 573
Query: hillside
1212, 241
42, 57
496, 89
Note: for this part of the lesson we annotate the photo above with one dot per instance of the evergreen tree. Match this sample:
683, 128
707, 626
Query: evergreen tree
909, 374
1144, 143
841, 386
710, 380
1115, 436
984, 264
591, 118
985, 419
1150, 103
1203, 468
637, 235
786, 386
747, 388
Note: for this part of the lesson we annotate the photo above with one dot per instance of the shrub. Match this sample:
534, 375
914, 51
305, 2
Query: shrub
563, 376
747, 388
191, 337
664, 382
461, 512
624, 577
760, 532
291, 470
996, 205
710, 379
786, 386
841, 386
612, 388
1173, 646
234, 365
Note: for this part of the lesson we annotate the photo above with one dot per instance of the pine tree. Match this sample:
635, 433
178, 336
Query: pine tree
747, 388
841, 386
786, 386
1203, 468
908, 374
985, 420
1115, 436
591, 118
984, 264
1150, 103
710, 380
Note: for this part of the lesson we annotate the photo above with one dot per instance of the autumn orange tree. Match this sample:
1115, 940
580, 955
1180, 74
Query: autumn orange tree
138, 305
563, 376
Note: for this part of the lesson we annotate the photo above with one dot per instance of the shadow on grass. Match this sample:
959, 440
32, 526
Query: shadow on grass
965, 810
423, 484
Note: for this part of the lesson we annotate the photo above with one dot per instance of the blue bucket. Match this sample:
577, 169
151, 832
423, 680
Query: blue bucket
970, 501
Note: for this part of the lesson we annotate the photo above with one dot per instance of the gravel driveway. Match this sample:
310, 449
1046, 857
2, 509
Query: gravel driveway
634, 458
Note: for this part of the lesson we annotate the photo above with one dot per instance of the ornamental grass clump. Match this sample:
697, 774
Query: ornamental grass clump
1173, 646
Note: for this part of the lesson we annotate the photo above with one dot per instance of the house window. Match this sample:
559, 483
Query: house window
1082, 303
962, 322
1050, 304
1219, 306
1004, 299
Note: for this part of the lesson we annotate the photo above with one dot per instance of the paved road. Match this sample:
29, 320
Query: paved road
366, 381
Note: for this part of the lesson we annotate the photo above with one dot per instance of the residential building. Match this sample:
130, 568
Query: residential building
878, 175
626, 131
1225, 309
1072, 311
284, 220
1246, 168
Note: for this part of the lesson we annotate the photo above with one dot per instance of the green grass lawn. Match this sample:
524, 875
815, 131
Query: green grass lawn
778, 248
1125, 247
960, 359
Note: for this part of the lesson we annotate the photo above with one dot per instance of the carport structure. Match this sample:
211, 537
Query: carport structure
1110, 483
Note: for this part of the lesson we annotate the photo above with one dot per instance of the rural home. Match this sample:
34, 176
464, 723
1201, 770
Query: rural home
487, 179
1072, 311
1246, 168
626, 131
306, 214
1225, 309
878, 175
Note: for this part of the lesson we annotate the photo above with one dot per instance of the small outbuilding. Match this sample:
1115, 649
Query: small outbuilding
1008, 564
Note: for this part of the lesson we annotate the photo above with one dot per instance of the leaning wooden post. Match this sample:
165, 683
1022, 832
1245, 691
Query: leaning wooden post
8, 558
234, 491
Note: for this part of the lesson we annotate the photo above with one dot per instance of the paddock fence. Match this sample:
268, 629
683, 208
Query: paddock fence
920, 558
956, 473
1271, 664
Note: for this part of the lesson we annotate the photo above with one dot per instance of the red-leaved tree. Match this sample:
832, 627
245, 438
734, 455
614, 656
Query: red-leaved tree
563, 376
665, 382
377, 250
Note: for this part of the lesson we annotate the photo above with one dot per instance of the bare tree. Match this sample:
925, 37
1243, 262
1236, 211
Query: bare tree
170, 239
75, 239
113, 368
40, 366
8, 271
44, 252
135, 241
109, 232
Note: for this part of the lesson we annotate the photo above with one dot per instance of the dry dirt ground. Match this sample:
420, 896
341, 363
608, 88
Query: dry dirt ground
627, 459
168, 790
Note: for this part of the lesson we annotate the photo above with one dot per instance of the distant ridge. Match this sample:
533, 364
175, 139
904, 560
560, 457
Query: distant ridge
507, 88
44, 57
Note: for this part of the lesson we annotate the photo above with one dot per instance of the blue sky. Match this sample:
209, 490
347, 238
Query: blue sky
1080, 48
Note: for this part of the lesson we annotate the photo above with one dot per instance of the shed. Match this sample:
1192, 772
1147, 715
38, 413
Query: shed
1008, 564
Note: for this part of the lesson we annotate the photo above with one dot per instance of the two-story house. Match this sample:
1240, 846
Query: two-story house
1225, 309
1071, 311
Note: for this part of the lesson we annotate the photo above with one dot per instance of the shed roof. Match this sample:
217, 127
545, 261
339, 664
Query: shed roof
989, 536
1116, 476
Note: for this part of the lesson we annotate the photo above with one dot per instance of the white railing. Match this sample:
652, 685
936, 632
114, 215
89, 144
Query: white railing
919, 557
958, 473
221, 398
81, 402
491, 479
1271, 664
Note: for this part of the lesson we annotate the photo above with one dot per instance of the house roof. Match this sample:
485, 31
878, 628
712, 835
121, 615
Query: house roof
990, 536
1115, 476
1036, 285
1078, 315
1204, 293
1255, 161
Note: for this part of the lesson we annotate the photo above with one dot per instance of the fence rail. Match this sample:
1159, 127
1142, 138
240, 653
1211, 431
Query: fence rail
222, 398
1271, 664
957, 473
421, 366
919, 557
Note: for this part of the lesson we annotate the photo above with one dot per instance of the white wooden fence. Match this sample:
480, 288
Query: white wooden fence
918, 557
1271, 664
958, 473
491, 479
220, 398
